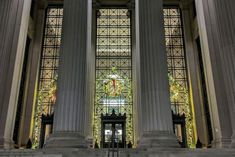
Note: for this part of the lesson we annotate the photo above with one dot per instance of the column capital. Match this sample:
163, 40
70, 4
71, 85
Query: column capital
185, 4
131, 5
95, 5
42, 4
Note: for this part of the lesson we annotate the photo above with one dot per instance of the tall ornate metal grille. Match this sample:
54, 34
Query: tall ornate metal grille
177, 69
113, 68
48, 68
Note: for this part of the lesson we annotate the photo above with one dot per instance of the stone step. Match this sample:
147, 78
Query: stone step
122, 153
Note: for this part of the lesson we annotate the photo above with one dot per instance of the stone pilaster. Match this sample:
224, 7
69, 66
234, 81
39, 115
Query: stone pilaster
157, 130
69, 127
14, 16
136, 75
216, 29
90, 86
194, 70
35, 51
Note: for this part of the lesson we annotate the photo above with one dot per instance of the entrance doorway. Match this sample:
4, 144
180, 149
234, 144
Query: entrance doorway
113, 108
113, 131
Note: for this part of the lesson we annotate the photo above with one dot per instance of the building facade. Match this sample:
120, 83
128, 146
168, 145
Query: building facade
138, 73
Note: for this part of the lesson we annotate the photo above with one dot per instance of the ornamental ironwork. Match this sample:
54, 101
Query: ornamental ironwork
113, 69
48, 69
178, 78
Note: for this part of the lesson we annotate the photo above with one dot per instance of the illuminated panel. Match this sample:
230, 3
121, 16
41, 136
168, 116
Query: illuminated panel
113, 68
48, 69
177, 70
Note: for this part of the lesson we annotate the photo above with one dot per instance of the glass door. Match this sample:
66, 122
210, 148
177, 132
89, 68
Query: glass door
113, 135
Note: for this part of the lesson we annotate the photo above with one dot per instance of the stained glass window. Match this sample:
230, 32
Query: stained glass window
177, 69
113, 68
48, 68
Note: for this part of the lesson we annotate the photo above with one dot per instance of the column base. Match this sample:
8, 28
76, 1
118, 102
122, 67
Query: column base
66, 140
89, 141
232, 145
158, 139
6, 143
232, 142
221, 143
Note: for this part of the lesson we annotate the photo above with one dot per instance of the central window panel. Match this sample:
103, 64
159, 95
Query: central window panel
113, 69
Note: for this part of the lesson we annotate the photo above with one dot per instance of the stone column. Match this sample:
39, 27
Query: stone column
225, 19
69, 127
157, 130
216, 28
14, 16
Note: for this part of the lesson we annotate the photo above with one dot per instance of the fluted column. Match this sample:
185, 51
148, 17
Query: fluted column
157, 130
14, 16
216, 23
68, 129
226, 20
